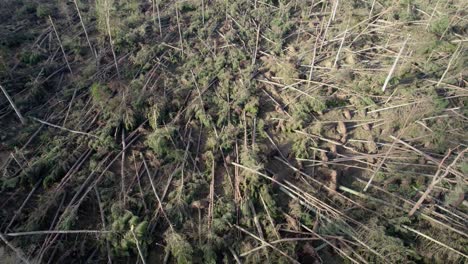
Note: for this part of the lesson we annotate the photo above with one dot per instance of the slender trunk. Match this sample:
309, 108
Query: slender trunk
20, 116
390, 74
180, 31
19, 252
254, 58
203, 11
61, 46
110, 39
84, 29
159, 19
122, 171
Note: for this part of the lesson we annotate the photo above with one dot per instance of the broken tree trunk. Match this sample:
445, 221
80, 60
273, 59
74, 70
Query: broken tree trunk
20, 116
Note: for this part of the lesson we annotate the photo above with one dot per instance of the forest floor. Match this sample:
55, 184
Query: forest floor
215, 131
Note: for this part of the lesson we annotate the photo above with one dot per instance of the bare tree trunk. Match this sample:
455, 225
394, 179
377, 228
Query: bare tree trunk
84, 29
203, 11
254, 57
110, 39
61, 46
122, 168
389, 76
159, 19
18, 251
20, 116
180, 31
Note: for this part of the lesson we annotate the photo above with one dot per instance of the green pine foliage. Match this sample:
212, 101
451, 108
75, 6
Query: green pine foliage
166, 131
179, 248
122, 239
